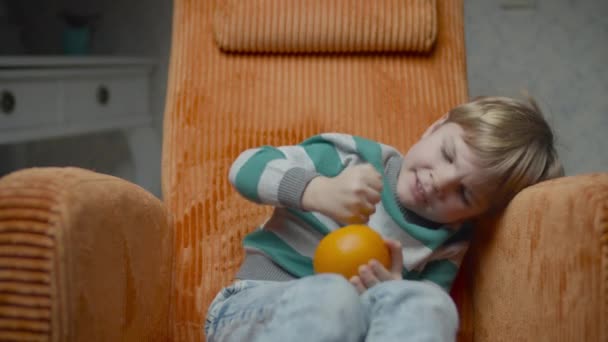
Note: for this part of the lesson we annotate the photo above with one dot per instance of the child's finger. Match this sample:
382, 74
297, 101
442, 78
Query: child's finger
380, 271
367, 209
373, 196
394, 247
356, 281
367, 276
357, 219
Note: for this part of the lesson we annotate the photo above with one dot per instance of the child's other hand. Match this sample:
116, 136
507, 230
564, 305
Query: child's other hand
374, 272
350, 197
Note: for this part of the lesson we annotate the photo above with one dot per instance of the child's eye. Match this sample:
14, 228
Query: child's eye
446, 156
463, 196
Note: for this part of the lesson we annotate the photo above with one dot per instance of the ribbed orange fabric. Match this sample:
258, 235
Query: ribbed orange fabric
27, 260
73, 267
220, 104
324, 26
86, 256
540, 271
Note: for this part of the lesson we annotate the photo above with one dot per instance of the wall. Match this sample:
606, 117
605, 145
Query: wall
128, 27
558, 51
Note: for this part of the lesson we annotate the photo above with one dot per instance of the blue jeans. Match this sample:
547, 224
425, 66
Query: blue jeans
328, 308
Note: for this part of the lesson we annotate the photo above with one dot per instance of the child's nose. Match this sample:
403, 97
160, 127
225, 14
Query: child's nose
445, 183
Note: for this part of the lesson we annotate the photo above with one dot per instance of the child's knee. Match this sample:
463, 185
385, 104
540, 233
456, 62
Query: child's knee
331, 305
331, 281
416, 293
437, 297
333, 287
334, 293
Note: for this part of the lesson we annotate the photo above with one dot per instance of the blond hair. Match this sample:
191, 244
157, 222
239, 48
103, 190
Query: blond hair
513, 141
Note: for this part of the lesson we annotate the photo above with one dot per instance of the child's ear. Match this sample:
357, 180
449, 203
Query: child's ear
432, 128
455, 225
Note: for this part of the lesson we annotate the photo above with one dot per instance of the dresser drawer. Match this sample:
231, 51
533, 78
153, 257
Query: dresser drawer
99, 97
29, 102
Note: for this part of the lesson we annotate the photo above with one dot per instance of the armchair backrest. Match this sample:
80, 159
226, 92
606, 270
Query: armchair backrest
220, 103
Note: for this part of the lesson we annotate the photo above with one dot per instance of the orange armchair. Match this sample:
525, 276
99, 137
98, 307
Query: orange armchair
87, 257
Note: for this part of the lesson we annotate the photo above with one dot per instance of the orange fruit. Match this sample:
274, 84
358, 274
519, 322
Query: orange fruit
344, 250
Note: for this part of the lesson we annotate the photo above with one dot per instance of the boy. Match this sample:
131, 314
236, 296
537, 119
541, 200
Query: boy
470, 162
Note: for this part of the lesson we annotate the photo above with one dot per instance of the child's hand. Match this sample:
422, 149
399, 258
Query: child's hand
350, 197
374, 272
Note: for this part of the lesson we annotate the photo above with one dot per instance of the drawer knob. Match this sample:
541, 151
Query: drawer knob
103, 95
8, 102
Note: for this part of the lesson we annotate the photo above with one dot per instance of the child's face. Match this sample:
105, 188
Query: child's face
440, 177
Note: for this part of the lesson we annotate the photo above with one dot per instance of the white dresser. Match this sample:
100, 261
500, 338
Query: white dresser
42, 97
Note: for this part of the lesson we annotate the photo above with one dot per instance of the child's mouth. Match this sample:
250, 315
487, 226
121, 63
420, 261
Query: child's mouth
419, 192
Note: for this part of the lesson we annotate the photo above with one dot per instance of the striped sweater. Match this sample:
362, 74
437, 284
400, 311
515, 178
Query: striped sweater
282, 248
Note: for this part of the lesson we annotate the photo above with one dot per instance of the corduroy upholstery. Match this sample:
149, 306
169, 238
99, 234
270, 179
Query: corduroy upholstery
540, 271
325, 26
220, 104
142, 270
83, 257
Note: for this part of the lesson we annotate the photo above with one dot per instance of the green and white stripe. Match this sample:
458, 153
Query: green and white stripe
413, 250
278, 176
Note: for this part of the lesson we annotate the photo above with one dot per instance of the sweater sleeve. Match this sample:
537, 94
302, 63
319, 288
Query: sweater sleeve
278, 176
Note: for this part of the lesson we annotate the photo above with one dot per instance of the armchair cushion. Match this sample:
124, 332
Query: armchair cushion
325, 26
539, 272
84, 257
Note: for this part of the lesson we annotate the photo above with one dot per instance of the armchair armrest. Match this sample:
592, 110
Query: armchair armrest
539, 272
83, 257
